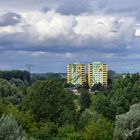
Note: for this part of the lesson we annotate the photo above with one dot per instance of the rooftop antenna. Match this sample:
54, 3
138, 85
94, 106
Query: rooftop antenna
29, 67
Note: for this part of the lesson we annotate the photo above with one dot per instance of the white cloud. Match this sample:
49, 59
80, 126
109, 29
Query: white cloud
52, 30
97, 27
69, 55
38, 54
55, 29
67, 37
137, 33
58, 25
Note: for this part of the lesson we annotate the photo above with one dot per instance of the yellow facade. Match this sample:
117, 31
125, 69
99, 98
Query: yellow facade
76, 74
97, 73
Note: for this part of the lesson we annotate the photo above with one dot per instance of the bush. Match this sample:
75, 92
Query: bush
9, 129
128, 125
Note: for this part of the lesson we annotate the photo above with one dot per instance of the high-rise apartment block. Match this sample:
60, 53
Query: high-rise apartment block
97, 73
76, 73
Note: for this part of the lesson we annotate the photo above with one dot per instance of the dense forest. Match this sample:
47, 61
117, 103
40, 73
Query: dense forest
40, 107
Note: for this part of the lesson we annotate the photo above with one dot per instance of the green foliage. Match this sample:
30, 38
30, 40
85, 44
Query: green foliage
66, 85
9, 129
36, 77
2, 108
17, 74
6, 89
111, 76
99, 129
25, 119
86, 117
102, 105
49, 76
85, 85
47, 131
124, 93
17, 82
9, 93
98, 87
49, 112
49, 101
67, 132
95, 127
53, 76
84, 99
56, 76
128, 125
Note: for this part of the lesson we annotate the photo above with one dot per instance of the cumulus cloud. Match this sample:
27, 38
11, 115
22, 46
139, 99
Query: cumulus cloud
54, 32
72, 30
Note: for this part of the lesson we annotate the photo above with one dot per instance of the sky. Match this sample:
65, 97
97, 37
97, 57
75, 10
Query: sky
49, 34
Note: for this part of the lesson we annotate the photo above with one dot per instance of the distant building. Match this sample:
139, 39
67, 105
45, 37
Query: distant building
124, 76
97, 73
76, 73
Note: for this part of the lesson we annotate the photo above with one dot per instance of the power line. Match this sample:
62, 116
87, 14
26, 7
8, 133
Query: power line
29, 67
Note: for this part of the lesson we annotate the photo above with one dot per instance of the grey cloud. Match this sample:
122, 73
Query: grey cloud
16, 42
73, 7
45, 9
93, 48
120, 7
77, 7
10, 18
117, 7
63, 43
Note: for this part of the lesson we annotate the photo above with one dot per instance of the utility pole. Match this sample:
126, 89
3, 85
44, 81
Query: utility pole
29, 67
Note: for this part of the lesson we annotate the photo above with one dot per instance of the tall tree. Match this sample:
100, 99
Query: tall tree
2, 107
49, 101
10, 93
84, 99
85, 85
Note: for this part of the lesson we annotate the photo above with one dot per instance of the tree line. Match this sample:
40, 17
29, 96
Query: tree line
17, 74
46, 110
